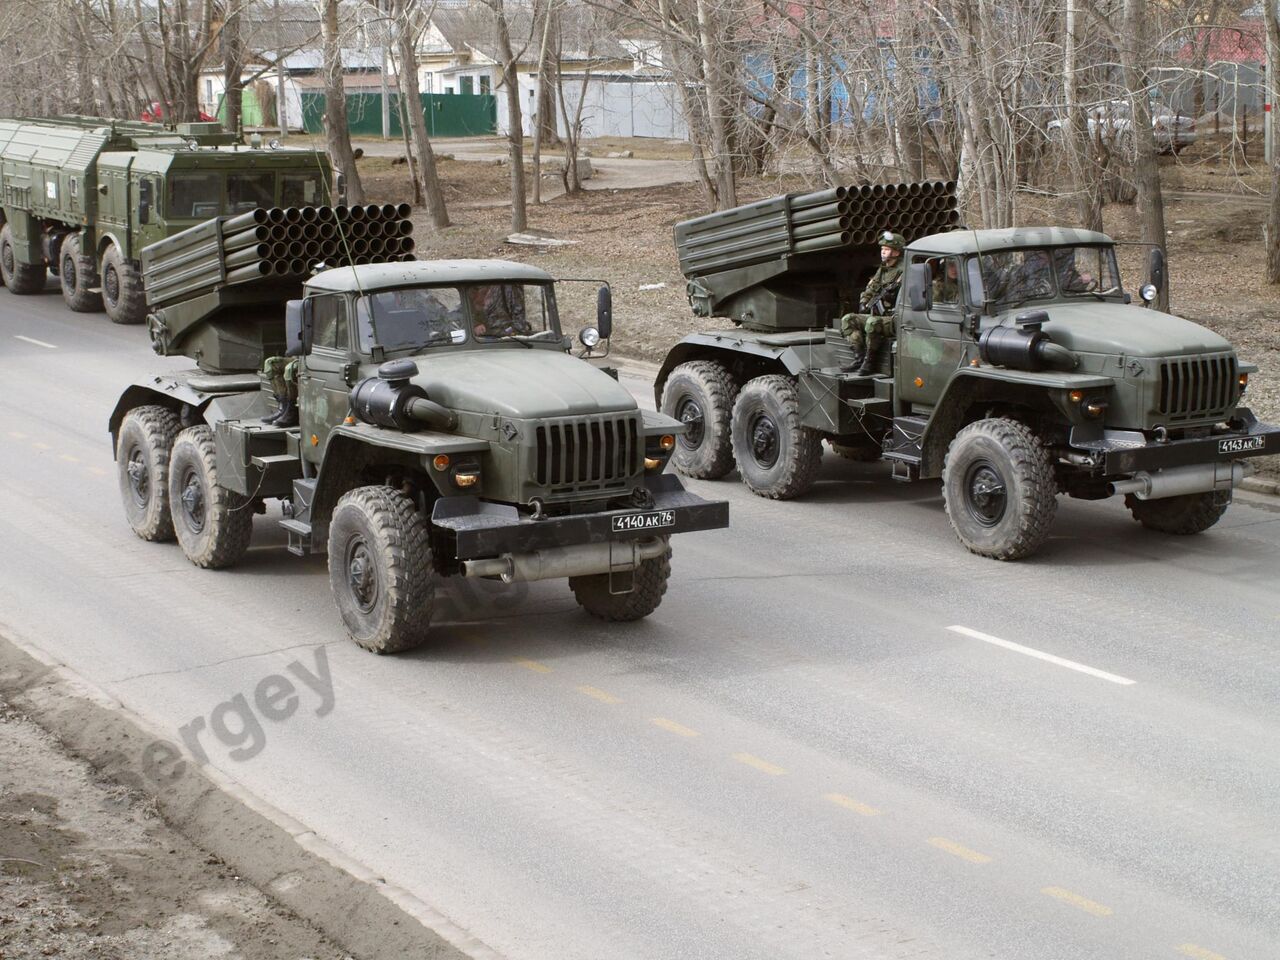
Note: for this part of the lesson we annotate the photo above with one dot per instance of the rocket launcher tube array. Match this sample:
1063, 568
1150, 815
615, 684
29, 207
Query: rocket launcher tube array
823, 220
272, 243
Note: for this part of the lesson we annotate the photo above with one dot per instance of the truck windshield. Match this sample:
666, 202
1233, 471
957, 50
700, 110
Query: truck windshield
511, 310
300, 191
247, 191
410, 318
195, 195
1042, 273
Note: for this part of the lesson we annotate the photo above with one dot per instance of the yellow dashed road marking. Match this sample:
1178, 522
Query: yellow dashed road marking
600, 695
1200, 953
533, 665
764, 766
840, 800
673, 727
964, 853
68, 457
1088, 906
97, 471
40, 446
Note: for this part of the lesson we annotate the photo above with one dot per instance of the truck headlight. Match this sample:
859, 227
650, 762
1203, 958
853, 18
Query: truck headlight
589, 337
1148, 292
1243, 380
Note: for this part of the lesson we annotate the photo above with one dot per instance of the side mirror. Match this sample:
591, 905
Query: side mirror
919, 287
298, 325
146, 196
604, 312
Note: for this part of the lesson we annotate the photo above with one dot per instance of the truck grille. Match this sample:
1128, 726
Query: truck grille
596, 451
1195, 388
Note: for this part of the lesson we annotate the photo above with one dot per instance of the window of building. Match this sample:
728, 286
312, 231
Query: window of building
485, 85
465, 84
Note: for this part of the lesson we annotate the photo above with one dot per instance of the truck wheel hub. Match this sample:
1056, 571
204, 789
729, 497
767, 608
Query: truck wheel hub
690, 414
111, 284
193, 502
6, 257
987, 496
361, 576
764, 441
138, 479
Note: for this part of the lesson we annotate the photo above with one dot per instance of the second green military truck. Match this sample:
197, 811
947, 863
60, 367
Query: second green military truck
81, 197
1022, 368
445, 429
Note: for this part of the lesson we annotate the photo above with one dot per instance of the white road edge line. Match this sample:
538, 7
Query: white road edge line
1040, 655
38, 343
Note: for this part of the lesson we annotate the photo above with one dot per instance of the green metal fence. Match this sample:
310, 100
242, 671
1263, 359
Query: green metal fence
447, 114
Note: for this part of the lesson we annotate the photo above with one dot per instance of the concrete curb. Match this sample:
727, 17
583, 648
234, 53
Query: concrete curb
367, 916
1259, 485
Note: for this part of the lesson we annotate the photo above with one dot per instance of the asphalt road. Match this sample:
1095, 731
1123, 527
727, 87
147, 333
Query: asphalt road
799, 755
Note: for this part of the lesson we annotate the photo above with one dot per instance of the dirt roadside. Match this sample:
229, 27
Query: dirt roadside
98, 861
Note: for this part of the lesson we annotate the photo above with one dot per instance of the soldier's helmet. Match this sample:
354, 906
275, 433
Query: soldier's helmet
893, 240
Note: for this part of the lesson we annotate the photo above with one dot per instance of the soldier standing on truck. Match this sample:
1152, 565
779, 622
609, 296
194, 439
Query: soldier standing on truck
283, 372
868, 329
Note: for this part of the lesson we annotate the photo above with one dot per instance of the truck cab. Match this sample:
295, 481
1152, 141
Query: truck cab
445, 428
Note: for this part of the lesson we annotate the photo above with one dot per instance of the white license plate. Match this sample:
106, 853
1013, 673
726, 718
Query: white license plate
653, 520
1240, 444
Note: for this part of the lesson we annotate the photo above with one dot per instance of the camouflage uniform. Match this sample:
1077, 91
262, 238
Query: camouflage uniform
283, 373
868, 329
946, 290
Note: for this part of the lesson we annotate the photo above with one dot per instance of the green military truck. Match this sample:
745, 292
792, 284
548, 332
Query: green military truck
446, 430
1022, 369
82, 196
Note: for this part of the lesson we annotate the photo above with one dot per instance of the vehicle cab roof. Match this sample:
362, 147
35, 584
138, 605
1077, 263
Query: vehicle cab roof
381, 276
990, 241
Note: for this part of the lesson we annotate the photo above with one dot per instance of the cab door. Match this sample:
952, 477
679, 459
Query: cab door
931, 343
322, 375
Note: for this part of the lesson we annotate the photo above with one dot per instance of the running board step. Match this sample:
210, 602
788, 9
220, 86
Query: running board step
299, 536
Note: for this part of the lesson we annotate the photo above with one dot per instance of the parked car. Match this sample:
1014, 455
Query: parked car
1174, 131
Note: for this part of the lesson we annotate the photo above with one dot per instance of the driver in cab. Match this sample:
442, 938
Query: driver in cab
498, 310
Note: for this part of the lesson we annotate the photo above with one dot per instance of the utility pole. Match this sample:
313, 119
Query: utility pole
386, 91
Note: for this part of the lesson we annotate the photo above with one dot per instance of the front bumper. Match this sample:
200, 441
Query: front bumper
492, 529
1128, 451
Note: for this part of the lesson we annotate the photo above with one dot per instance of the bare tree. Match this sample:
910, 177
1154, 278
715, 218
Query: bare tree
1132, 44
508, 60
336, 129
1273, 98
232, 65
407, 28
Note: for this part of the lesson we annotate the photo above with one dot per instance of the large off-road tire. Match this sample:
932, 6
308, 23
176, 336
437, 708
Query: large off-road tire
777, 457
700, 395
20, 278
213, 524
77, 276
143, 447
999, 489
380, 569
122, 293
1185, 515
868, 452
649, 583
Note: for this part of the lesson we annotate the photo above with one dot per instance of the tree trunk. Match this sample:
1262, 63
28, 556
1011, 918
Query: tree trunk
1273, 98
721, 155
232, 69
411, 99
540, 128
1146, 169
515, 121
1085, 173
336, 130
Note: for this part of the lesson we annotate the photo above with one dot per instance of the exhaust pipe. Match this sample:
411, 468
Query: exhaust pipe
1180, 481
558, 562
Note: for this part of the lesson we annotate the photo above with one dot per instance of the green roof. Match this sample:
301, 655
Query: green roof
380, 276
989, 241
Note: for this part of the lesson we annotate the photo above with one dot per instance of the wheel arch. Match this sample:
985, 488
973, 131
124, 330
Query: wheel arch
970, 397
351, 456
176, 396
744, 358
